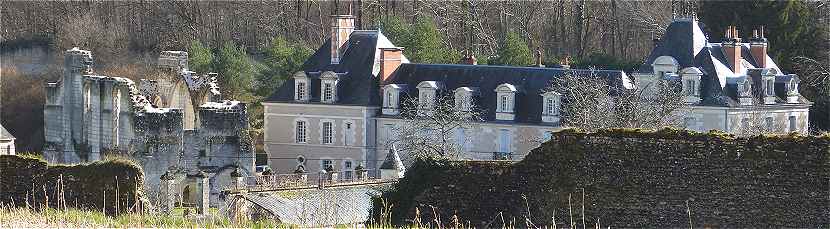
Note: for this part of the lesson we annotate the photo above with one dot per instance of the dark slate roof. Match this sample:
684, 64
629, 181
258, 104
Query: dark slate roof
356, 85
530, 81
682, 39
4, 134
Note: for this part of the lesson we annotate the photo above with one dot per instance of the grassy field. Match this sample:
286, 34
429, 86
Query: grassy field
73, 218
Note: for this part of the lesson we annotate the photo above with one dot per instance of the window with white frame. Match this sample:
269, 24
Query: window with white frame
328, 133
464, 98
427, 92
328, 80
391, 99
300, 131
348, 132
793, 124
301, 87
348, 169
461, 138
551, 104
770, 87
506, 99
691, 84
770, 124
505, 141
327, 164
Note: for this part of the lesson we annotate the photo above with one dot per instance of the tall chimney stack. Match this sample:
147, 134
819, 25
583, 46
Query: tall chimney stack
390, 60
341, 27
539, 58
731, 46
758, 48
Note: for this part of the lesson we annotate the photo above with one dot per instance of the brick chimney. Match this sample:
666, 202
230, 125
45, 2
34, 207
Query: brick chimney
469, 58
758, 48
341, 27
539, 58
390, 60
731, 46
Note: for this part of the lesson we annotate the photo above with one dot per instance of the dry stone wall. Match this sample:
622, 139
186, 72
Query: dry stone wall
633, 179
111, 185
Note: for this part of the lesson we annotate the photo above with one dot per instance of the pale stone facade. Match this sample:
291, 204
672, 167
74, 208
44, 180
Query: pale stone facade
6, 142
175, 124
732, 86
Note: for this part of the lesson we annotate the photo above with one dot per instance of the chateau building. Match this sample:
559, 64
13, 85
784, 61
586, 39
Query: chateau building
732, 86
175, 124
340, 110
6, 142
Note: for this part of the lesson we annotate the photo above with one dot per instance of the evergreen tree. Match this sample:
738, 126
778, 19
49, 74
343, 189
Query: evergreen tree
236, 71
282, 59
200, 57
789, 25
513, 51
426, 46
395, 29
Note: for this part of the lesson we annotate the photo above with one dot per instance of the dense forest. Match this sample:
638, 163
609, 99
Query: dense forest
254, 45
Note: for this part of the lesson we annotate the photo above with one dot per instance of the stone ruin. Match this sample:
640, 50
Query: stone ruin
175, 125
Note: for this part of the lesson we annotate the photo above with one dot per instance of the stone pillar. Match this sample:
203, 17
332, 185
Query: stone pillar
167, 192
238, 180
203, 201
321, 181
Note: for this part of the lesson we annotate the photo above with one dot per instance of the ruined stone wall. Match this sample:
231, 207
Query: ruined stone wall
634, 179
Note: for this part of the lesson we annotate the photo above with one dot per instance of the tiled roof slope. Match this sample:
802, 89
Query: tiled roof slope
531, 82
357, 84
686, 42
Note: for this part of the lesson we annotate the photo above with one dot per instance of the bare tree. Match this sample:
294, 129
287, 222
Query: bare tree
428, 130
592, 102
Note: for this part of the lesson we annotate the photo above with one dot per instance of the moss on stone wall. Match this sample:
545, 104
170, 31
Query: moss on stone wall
633, 178
31, 181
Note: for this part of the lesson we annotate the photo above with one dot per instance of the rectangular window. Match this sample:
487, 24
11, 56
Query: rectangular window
390, 132
460, 138
328, 135
504, 141
348, 168
301, 128
349, 135
388, 102
503, 102
690, 87
301, 91
689, 123
327, 165
769, 121
770, 88
793, 124
327, 92
745, 123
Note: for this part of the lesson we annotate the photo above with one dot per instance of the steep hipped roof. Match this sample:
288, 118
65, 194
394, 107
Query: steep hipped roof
4, 134
531, 82
686, 42
357, 70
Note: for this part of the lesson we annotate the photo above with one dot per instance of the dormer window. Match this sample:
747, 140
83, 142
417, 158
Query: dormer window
744, 87
301, 87
464, 98
328, 82
691, 84
551, 102
391, 99
506, 98
427, 91
663, 65
791, 86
